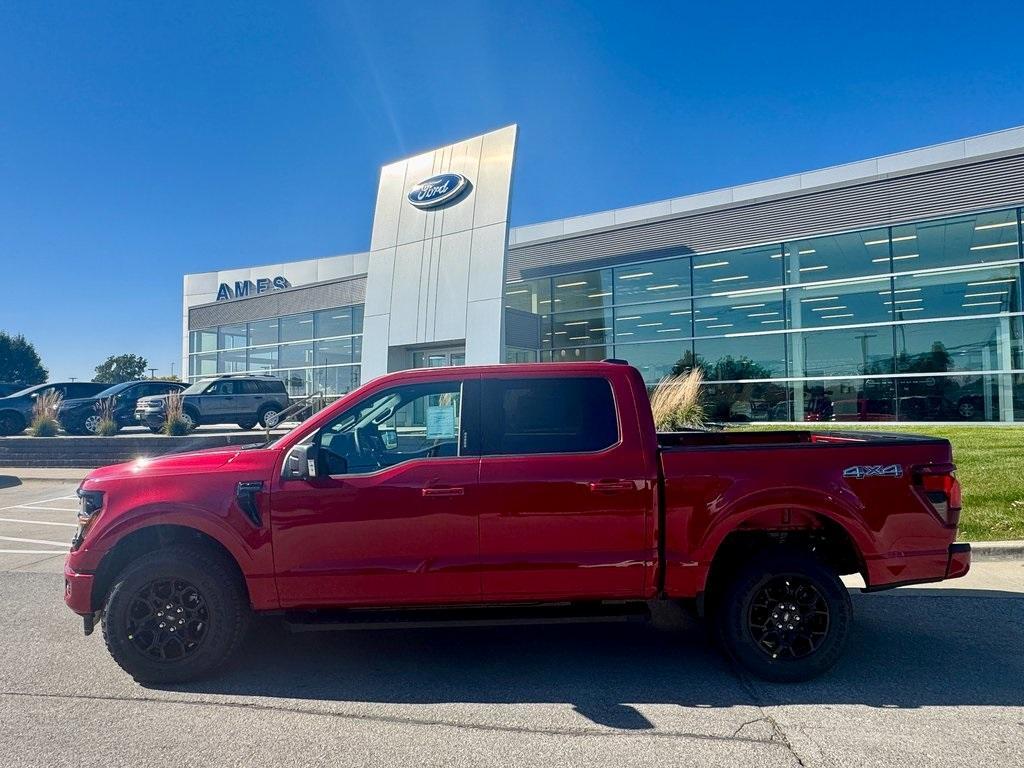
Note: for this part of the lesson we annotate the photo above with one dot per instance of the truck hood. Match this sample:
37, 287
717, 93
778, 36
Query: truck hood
205, 460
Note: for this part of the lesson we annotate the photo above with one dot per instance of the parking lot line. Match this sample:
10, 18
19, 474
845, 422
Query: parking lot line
33, 551
43, 509
36, 522
34, 541
42, 501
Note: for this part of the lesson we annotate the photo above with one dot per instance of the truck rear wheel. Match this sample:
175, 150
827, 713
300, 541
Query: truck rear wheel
175, 615
785, 616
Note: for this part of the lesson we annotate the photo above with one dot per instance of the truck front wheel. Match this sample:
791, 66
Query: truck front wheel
785, 616
175, 615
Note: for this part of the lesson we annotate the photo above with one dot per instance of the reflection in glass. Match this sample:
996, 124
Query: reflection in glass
263, 332
203, 365
984, 238
743, 313
824, 306
294, 355
653, 281
747, 402
948, 293
653, 322
582, 290
742, 357
592, 326
977, 344
738, 270
529, 295
263, 359
844, 400
202, 341
842, 352
296, 327
854, 254
656, 361
948, 398
577, 354
232, 336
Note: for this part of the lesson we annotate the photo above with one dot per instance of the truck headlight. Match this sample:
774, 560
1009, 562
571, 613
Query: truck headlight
90, 504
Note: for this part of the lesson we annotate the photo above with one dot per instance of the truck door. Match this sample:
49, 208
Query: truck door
392, 518
568, 504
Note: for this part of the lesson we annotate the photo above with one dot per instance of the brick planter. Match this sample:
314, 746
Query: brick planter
25, 451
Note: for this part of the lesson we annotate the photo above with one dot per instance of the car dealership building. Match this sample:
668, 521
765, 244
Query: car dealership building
879, 290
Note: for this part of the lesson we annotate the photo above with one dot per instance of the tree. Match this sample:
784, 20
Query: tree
118, 368
19, 362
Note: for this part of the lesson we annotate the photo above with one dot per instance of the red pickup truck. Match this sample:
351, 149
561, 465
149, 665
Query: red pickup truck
512, 492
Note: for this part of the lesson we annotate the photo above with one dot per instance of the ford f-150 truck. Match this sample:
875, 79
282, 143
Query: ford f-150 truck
512, 492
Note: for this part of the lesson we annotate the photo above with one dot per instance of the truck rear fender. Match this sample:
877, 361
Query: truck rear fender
806, 519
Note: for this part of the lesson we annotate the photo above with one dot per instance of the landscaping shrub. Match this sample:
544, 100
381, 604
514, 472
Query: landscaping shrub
174, 422
44, 414
677, 402
108, 425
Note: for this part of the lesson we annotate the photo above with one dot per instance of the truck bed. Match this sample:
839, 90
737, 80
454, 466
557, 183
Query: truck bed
785, 437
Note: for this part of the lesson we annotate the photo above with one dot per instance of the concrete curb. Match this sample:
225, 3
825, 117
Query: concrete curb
17, 475
986, 551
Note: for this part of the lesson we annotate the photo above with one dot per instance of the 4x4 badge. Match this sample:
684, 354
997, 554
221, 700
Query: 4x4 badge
873, 470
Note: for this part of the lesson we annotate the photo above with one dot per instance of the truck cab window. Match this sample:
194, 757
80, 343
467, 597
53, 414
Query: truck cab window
415, 421
540, 415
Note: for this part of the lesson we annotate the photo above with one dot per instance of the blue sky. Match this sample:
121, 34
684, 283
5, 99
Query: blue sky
141, 141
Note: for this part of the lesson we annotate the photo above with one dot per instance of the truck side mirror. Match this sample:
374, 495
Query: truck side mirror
302, 463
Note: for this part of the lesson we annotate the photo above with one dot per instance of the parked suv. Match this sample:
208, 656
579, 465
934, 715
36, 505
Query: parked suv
242, 400
81, 416
16, 409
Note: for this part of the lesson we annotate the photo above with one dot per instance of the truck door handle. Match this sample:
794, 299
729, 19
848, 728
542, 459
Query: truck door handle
612, 486
443, 491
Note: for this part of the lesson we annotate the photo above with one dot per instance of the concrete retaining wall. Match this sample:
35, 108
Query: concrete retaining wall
101, 451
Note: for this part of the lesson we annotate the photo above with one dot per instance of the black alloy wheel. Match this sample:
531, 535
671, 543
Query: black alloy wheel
176, 614
788, 618
784, 615
168, 619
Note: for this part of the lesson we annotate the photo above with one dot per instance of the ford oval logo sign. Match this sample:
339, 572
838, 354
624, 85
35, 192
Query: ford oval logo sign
438, 190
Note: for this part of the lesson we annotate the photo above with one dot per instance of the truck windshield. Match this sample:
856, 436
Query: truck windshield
198, 388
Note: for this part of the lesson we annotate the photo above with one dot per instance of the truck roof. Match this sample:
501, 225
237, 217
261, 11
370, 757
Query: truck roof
604, 368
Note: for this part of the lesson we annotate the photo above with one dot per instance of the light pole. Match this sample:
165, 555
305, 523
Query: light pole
152, 373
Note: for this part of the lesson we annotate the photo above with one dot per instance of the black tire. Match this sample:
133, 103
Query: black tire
75, 428
776, 587
193, 414
247, 424
264, 411
11, 423
210, 606
155, 430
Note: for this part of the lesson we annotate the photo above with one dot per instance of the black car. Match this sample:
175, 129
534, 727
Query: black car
81, 416
16, 409
241, 400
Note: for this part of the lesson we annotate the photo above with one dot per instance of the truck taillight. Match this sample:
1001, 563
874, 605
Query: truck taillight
940, 487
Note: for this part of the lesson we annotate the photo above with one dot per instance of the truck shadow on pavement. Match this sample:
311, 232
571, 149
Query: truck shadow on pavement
917, 648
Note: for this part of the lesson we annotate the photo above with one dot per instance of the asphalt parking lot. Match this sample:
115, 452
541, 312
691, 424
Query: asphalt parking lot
933, 675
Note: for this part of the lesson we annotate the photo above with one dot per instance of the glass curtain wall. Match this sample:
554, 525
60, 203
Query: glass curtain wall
912, 322
311, 352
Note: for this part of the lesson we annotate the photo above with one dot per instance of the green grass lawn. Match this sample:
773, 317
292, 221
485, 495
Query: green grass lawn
990, 465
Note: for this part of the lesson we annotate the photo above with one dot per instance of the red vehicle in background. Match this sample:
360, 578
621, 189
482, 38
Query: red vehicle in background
532, 492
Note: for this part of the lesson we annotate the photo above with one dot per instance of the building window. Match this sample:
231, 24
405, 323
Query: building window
310, 352
868, 320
